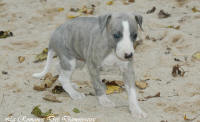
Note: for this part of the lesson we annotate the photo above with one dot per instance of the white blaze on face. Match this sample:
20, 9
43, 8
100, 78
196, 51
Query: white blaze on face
125, 45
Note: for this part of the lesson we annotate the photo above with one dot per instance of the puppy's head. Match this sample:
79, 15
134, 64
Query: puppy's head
122, 32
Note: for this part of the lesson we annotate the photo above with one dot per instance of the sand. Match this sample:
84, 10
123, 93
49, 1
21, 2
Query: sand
33, 21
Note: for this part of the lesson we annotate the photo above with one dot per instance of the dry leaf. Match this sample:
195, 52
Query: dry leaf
42, 56
5, 34
4, 72
74, 9
58, 89
76, 110
60, 9
163, 14
72, 16
196, 56
151, 10
47, 83
177, 71
131, 1
174, 27
109, 2
148, 97
114, 82
113, 89
51, 98
141, 84
21, 59
194, 9
37, 112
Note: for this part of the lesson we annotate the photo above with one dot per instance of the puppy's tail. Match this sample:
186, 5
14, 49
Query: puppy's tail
47, 65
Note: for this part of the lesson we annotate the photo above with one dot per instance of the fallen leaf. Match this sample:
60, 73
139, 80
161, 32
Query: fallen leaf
156, 95
113, 89
177, 71
109, 2
76, 110
131, 1
60, 9
74, 9
148, 97
4, 72
42, 56
51, 98
141, 84
163, 14
37, 112
194, 9
72, 16
21, 59
114, 82
151, 10
196, 56
47, 82
187, 119
5, 34
174, 27
58, 89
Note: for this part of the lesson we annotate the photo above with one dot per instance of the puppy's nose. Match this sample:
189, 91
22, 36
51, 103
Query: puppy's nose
127, 56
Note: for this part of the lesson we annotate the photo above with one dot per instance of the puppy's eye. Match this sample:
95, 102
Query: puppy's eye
117, 35
134, 36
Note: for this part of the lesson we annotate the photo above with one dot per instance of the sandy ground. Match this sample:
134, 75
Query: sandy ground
33, 21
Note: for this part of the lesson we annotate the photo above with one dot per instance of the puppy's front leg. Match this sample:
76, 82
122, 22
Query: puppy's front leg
129, 77
99, 87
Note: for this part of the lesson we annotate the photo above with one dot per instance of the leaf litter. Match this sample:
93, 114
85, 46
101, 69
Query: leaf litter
151, 10
113, 86
37, 112
51, 98
163, 14
151, 96
58, 89
47, 82
5, 34
85, 10
177, 70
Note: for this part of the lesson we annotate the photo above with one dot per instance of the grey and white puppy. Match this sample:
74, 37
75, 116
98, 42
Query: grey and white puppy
98, 41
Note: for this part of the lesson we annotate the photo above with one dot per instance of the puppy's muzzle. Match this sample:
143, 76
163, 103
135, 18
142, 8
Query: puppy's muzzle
128, 56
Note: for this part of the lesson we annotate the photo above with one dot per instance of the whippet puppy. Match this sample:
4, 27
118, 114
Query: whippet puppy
98, 41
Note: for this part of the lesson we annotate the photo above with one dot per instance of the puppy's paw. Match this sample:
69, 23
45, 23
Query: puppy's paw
104, 101
76, 95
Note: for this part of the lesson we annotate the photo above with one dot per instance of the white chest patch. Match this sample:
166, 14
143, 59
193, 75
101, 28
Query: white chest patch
112, 60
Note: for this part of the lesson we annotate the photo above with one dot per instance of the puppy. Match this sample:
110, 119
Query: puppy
98, 41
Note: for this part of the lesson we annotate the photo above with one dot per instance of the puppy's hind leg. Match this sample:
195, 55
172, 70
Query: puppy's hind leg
47, 65
66, 69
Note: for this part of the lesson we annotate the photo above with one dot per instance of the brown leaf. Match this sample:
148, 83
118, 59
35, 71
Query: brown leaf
21, 59
151, 10
163, 14
194, 9
177, 71
141, 84
109, 2
51, 98
58, 89
131, 1
156, 95
47, 82
5, 34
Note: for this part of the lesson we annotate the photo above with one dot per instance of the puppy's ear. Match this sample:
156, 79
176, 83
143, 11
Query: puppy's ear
103, 21
139, 20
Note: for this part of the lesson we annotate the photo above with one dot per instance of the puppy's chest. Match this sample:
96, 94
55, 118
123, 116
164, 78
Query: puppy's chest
112, 60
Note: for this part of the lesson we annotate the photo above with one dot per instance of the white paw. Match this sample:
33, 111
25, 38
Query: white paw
76, 95
104, 101
139, 114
